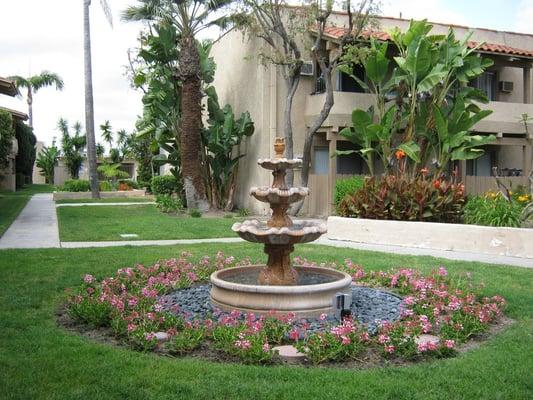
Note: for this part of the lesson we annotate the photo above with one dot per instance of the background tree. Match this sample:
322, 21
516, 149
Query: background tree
26, 154
7, 133
47, 160
72, 146
107, 133
89, 104
189, 17
34, 83
285, 30
100, 151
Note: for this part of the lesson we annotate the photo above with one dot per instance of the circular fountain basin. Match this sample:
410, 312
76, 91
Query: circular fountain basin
259, 232
279, 196
279, 163
237, 289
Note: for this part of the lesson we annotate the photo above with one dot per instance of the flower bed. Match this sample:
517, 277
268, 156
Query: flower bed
128, 303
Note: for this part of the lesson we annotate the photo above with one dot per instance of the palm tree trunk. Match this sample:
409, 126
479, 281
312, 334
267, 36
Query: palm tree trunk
89, 108
30, 105
191, 118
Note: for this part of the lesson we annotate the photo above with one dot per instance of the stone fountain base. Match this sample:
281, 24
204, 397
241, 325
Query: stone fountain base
236, 289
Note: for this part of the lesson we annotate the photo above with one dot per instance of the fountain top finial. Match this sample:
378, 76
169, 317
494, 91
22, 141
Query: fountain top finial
279, 147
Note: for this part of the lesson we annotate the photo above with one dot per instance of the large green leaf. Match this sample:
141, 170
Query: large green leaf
437, 74
411, 149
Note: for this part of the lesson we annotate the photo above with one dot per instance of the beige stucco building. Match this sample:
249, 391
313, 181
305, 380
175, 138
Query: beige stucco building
245, 84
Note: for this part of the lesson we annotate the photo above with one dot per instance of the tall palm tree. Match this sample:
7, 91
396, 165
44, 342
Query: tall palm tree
189, 17
89, 106
34, 83
107, 133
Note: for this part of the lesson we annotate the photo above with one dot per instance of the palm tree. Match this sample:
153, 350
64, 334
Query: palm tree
34, 83
107, 133
89, 106
189, 17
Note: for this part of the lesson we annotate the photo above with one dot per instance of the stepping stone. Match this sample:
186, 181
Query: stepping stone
424, 338
161, 336
289, 353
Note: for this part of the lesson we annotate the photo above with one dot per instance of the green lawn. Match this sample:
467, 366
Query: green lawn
12, 203
39, 360
89, 223
107, 200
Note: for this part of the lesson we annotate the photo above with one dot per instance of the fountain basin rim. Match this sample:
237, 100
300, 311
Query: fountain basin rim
342, 282
299, 228
266, 190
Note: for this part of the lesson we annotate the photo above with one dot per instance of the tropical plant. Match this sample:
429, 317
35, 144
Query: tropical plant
72, 146
112, 172
47, 160
34, 83
433, 112
220, 139
403, 198
89, 105
189, 17
168, 203
7, 133
493, 211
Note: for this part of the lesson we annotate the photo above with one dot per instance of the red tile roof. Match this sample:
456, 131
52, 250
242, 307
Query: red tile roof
335, 32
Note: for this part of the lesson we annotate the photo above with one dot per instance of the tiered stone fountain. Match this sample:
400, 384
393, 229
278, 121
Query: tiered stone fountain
278, 285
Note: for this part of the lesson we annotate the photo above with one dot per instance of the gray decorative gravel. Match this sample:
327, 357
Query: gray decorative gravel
369, 306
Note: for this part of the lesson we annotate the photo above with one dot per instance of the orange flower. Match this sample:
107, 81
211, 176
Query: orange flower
436, 184
399, 154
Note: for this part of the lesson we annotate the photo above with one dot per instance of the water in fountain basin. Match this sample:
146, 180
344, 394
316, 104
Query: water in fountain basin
304, 277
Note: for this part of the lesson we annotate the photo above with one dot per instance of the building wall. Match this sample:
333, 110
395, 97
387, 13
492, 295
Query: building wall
8, 175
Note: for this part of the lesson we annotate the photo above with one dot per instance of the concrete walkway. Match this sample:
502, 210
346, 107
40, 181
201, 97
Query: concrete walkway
125, 203
35, 227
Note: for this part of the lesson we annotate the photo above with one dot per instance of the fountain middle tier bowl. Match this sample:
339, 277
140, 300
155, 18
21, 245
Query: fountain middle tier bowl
279, 163
279, 196
237, 289
259, 232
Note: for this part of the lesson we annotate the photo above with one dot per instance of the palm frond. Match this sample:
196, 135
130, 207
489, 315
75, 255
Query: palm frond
107, 11
44, 79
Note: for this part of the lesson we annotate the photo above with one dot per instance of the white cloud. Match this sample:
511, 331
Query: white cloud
49, 35
433, 10
524, 17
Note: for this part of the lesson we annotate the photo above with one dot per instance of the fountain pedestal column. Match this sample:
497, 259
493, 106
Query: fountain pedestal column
278, 270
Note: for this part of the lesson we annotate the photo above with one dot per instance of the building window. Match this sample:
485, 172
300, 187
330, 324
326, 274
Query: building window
345, 83
486, 82
349, 164
320, 160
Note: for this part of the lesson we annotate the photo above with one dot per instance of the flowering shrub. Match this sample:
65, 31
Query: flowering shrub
403, 198
128, 303
493, 209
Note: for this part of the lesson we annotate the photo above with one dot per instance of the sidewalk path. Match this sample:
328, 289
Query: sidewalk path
35, 227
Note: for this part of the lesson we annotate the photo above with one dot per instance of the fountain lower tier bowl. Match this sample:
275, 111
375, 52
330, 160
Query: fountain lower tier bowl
300, 232
279, 196
237, 289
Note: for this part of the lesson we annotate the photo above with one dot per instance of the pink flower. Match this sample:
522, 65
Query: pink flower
158, 307
88, 278
432, 346
131, 327
294, 335
243, 344
422, 347
364, 337
390, 348
266, 347
90, 290
442, 271
132, 302
345, 340
323, 316
382, 339
149, 336
450, 344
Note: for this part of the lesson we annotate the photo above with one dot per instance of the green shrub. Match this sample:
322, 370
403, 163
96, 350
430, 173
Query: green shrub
165, 184
168, 204
346, 186
195, 213
130, 182
493, 211
76, 185
405, 199
105, 186
243, 212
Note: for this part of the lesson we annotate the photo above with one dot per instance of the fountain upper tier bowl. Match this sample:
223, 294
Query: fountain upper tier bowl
279, 196
300, 232
279, 163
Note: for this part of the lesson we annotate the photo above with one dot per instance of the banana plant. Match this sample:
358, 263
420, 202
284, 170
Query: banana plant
221, 140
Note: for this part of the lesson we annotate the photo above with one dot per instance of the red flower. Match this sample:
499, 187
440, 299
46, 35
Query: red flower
399, 154
436, 184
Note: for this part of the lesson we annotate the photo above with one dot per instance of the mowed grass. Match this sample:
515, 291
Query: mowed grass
12, 203
39, 360
107, 200
101, 223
